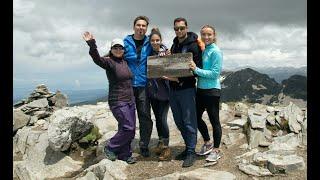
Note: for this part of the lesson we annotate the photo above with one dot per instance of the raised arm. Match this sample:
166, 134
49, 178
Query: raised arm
97, 59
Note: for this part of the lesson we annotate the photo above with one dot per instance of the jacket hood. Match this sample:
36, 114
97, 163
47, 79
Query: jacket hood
191, 37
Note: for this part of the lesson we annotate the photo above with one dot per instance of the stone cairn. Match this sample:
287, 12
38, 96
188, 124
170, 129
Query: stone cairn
280, 130
40, 105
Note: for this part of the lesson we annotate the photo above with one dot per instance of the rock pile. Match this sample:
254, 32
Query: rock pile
279, 129
38, 106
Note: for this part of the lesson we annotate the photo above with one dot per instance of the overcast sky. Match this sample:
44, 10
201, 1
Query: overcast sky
48, 47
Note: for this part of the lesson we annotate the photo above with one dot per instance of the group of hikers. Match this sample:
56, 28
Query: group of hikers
188, 97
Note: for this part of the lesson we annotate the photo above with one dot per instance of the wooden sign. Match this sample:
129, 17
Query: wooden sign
175, 65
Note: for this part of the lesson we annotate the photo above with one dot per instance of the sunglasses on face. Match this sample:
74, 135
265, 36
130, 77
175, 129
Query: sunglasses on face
181, 28
117, 48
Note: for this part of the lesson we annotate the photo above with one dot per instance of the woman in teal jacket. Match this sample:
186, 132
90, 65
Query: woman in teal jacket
208, 92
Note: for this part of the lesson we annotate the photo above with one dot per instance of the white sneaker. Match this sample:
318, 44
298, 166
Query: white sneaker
213, 156
205, 149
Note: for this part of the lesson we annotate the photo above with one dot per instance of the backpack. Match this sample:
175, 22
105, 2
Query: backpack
201, 44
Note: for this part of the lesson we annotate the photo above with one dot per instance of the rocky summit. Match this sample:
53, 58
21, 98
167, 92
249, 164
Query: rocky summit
55, 141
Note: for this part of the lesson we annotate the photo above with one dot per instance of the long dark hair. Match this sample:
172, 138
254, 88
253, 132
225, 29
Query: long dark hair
155, 31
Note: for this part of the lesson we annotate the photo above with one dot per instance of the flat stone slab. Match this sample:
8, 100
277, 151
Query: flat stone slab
291, 112
20, 119
284, 164
255, 136
199, 174
271, 119
40, 103
235, 128
247, 154
279, 161
288, 142
231, 138
238, 122
107, 169
175, 65
240, 109
254, 170
257, 119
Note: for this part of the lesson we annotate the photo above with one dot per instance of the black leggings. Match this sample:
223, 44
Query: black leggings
160, 110
211, 104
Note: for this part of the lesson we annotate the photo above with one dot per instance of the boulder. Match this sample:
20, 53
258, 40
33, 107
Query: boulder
247, 154
59, 100
260, 107
257, 120
66, 127
240, 109
291, 113
20, 119
41, 162
89, 176
254, 170
225, 107
224, 116
304, 132
199, 174
238, 122
254, 137
270, 109
261, 158
271, 119
231, 138
40, 103
287, 143
284, 164
111, 169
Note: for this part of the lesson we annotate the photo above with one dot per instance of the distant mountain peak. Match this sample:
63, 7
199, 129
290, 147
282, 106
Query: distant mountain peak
250, 85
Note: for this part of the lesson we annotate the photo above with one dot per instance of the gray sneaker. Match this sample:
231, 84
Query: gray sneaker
213, 156
205, 149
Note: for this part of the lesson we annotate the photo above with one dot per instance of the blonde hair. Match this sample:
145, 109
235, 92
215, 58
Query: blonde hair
213, 29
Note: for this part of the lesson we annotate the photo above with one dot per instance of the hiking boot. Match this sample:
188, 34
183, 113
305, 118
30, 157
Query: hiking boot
159, 148
165, 154
109, 154
213, 156
131, 160
205, 149
181, 156
145, 152
189, 160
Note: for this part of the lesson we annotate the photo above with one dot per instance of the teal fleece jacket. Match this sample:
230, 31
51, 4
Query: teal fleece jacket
209, 75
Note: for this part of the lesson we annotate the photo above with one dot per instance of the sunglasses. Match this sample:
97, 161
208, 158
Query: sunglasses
117, 48
181, 28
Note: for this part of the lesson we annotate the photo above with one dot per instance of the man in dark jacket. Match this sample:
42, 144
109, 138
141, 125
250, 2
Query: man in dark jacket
137, 49
182, 93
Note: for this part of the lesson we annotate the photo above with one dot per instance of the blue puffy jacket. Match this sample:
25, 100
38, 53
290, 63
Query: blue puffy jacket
138, 67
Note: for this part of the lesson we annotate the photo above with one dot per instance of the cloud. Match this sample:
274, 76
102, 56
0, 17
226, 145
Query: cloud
47, 35
265, 45
22, 7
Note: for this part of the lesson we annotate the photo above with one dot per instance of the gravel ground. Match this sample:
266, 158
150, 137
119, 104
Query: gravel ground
150, 167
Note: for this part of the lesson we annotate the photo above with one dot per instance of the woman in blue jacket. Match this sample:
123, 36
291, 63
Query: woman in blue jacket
208, 92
